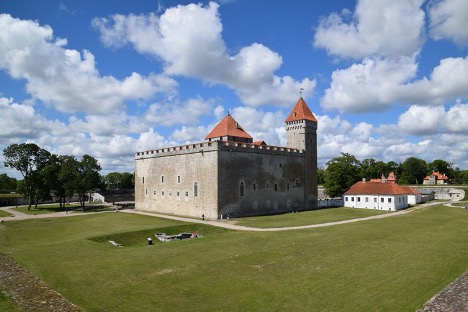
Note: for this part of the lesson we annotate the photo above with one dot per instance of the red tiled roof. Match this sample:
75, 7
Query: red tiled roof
300, 111
375, 188
259, 143
228, 127
391, 177
410, 190
438, 175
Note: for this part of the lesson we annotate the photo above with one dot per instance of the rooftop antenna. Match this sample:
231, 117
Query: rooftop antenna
300, 92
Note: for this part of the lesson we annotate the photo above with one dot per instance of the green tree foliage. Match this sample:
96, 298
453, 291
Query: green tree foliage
118, 180
441, 166
413, 171
320, 176
88, 177
28, 159
7, 183
372, 169
341, 173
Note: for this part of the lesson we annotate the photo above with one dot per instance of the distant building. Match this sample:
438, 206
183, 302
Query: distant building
231, 175
436, 178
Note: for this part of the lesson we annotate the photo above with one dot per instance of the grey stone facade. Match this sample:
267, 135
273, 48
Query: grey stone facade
226, 178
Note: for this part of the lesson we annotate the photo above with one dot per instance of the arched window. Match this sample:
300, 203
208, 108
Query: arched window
241, 188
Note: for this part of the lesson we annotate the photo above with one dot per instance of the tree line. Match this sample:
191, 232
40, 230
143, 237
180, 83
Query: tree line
63, 176
343, 171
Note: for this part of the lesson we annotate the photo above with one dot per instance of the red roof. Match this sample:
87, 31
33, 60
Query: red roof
391, 177
375, 188
438, 175
300, 111
410, 190
228, 127
259, 143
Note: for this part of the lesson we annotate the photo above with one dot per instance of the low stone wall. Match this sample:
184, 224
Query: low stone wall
443, 192
330, 202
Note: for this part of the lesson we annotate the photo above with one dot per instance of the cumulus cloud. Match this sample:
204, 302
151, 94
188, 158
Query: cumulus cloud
63, 78
448, 20
187, 38
22, 121
178, 112
377, 27
370, 86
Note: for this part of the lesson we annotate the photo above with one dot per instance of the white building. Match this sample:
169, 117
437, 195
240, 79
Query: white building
376, 195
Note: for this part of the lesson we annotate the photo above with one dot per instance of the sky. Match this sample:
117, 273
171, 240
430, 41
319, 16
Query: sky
386, 79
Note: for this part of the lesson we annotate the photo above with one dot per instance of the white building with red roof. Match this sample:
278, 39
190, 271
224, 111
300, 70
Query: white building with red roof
436, 178
380, 195
230, 174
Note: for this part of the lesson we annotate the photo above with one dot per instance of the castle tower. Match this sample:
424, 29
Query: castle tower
301, 129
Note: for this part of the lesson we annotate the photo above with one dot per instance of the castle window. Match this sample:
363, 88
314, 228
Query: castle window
297, 182
162, 193
280, 165
254, 186
178, 179
146, 191
177, 193
267, 185
276, 187
186, 194
162, 179
143, 180
287, 186
154, 192
195, 189
241, 189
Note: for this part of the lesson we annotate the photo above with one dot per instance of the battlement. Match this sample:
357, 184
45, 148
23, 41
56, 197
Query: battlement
216, 145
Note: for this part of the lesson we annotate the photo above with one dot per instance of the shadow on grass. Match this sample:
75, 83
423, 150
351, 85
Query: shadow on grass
139, 238
52, 208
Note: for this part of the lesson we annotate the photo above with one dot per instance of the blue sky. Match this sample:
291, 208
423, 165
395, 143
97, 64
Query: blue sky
386, 79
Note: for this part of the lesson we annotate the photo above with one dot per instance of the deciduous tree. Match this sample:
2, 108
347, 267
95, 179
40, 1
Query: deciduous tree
341, 173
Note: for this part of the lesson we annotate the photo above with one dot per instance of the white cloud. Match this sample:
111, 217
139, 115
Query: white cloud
188, 40
448, 20
377, 27
370, 86
420, 120
177, 112
67, 79
447, 82
22, 121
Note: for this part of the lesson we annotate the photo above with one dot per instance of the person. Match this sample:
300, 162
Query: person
203, 217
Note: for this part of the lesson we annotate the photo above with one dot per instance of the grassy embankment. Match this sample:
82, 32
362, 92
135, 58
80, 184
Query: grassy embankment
390, 264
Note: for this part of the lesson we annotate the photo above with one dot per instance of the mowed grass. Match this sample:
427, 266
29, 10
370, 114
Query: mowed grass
307, 217
6, 304
4, 214
390, 264
51, 208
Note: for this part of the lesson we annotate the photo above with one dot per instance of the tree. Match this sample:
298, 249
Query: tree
341, 173
372, 169
413, 170
7, 183
28, 159
320, 176
88, 177
113, 180
441, 166
127, 180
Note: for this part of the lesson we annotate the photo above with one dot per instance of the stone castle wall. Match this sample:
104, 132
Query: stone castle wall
218, 168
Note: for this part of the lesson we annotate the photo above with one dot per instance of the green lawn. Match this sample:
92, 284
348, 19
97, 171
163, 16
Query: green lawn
307, 217
6, 304
390, 264
50, 208
4, 214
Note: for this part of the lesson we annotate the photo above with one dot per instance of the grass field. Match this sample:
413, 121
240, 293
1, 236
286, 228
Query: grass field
6, 304
50, 208
390, 264
307, 217
4, 214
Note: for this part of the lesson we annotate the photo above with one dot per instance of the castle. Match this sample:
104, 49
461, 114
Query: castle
231, 175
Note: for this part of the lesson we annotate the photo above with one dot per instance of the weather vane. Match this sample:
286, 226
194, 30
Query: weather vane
300, 92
